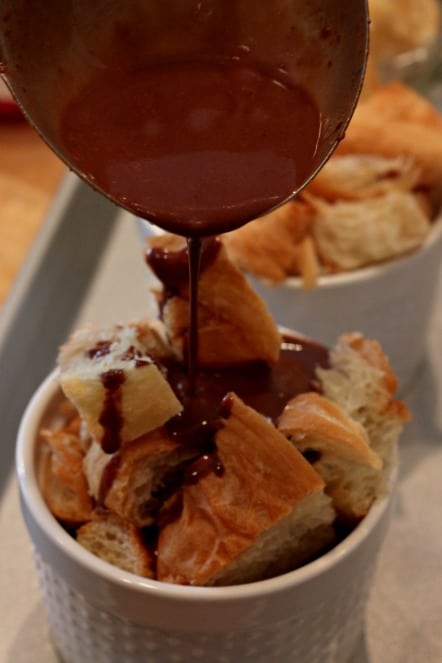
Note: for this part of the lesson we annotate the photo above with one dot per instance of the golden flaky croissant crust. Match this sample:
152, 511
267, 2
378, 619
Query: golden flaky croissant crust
260, 500
338, 448
374, 200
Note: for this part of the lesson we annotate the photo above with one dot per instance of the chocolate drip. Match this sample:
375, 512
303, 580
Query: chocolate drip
179, 270
195, 426
171, 266
194, 248
266, 389
111, 417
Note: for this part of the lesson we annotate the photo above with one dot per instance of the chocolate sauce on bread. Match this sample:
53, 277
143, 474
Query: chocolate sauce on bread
265, 388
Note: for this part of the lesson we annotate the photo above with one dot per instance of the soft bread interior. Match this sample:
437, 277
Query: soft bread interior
231, 315
291, 542
145, 399
361, 381
118, 542
353, 234
142, 474
338, 449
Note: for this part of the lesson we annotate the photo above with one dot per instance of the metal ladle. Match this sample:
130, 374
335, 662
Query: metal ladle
49, 49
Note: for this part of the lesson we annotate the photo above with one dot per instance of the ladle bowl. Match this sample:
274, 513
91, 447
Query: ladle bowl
48, 50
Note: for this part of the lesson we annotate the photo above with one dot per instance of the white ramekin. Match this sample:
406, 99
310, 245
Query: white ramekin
391, 302
100, 614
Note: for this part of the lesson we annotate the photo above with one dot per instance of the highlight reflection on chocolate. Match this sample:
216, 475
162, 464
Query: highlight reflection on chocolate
171, 266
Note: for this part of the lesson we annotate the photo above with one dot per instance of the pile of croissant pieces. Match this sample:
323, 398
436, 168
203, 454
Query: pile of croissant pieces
283, 487
376, 198
402, 26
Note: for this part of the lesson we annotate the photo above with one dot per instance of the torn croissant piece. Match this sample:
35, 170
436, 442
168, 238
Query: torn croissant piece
397, 102
61, 477
399, 26
361, 381
256, 508
419, 142
118, 542
350, 235
267, 247
339, 450
361, 176
132, 482
376, 132
234, 325
112, 379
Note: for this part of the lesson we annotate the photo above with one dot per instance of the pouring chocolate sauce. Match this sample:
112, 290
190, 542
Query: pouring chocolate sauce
196, 116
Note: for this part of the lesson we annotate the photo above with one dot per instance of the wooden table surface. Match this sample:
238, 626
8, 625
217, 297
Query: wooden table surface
29, 176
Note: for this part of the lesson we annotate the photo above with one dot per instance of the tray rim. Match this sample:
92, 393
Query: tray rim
58, 268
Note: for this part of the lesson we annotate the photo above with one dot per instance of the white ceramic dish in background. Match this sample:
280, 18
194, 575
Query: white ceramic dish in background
100, 614
390, 302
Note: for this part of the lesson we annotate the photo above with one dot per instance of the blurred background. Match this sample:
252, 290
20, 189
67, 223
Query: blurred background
406, 44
